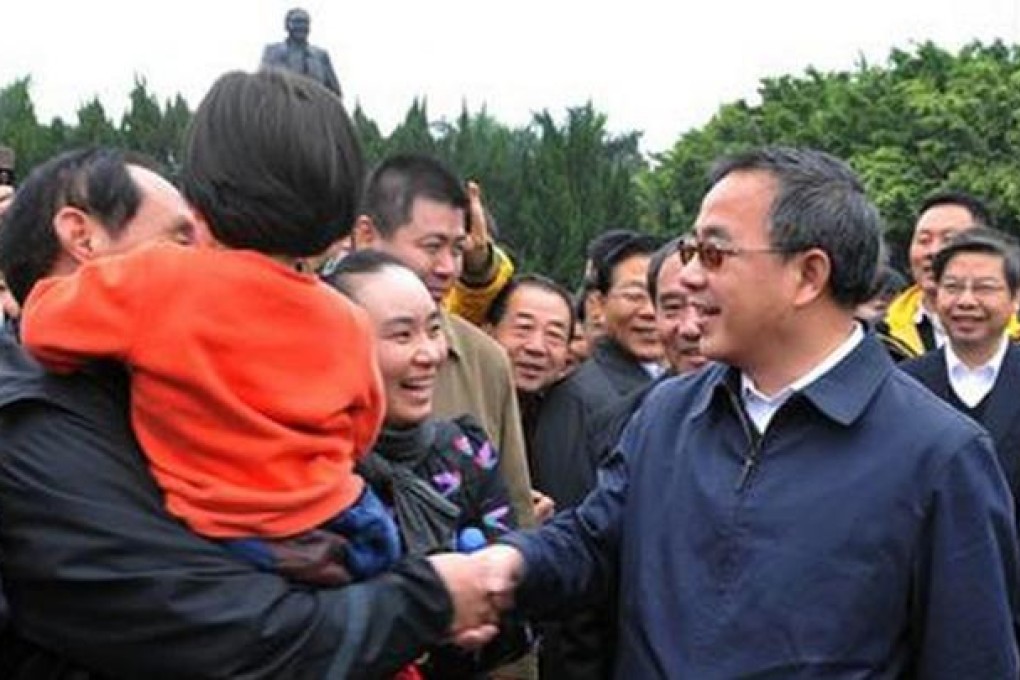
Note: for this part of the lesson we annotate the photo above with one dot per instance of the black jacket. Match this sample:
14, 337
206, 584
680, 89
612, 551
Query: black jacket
102, 577
999, 411
574, 424
566, 448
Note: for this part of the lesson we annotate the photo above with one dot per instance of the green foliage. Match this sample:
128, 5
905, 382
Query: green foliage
550, 185
925, 119
19, 128
928, 119
94, 127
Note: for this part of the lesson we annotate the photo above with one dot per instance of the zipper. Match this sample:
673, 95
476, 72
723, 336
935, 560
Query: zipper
753, 454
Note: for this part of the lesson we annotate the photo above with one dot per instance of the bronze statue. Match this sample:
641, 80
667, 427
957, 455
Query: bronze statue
295, 54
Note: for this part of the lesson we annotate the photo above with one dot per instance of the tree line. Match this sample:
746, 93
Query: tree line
924, 119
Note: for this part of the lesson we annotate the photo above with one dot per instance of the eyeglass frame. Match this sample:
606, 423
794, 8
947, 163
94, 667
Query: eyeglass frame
980, 290
712, 254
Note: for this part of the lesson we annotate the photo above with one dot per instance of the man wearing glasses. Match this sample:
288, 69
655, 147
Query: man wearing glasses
911, 325
801, 508
566, 445
977, 371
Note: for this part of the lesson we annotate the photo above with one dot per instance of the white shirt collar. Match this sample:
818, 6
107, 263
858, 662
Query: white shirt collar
761, 408
653, 368
972, 385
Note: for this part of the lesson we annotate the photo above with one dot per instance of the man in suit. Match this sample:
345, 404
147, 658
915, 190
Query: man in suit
569, 426
626, 358
297, 55
977, 371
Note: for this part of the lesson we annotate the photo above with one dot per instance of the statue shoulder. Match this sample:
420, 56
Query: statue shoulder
318, 53
274, 52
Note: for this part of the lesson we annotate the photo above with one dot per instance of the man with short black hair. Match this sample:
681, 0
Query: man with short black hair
977, 370
800, 508
532, 319
417, 210
627, 357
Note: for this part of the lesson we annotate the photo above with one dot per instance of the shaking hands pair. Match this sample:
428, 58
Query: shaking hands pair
481, 586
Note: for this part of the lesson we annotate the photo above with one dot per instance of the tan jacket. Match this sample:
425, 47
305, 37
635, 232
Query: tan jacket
476, 379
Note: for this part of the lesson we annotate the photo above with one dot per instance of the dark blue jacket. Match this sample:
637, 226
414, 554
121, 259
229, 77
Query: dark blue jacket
868, 534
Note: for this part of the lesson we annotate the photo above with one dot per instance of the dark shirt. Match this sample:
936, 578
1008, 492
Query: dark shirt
100, 576
867, 533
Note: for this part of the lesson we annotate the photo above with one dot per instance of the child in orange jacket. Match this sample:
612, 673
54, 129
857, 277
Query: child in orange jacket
254, 386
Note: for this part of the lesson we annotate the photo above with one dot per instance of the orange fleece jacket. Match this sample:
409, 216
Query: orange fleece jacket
253, 390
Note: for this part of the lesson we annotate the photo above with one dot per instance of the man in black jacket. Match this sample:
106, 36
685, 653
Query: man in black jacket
532, 318
101, 580
570, 424
627, 357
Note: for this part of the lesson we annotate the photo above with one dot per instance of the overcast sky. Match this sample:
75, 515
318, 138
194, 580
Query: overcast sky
661, 67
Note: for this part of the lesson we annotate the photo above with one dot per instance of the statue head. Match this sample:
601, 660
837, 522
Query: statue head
297, 23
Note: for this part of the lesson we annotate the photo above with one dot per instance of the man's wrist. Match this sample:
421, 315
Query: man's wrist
479, 269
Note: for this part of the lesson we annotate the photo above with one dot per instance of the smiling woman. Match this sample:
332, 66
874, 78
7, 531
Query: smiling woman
439, 476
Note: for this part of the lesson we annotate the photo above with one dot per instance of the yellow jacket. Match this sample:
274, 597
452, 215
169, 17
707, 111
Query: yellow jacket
472, 302
900, 326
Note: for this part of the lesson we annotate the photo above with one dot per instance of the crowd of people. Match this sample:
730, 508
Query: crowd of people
300, 419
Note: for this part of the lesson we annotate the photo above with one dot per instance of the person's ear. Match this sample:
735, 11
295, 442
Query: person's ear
80, 235
595, 306
814, 275
365, 234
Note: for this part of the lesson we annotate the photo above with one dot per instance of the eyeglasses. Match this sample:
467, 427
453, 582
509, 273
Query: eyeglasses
979, 289
712, 254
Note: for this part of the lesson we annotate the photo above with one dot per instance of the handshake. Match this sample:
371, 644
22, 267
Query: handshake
481, 586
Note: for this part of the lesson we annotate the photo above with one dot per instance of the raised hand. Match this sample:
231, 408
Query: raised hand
476, 249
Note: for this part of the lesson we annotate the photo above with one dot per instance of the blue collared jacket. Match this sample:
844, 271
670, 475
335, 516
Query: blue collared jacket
868, 534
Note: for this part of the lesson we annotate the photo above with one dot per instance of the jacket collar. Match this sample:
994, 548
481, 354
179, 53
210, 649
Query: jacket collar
23, 379
454, 339
842, 394
609, 352
20, 376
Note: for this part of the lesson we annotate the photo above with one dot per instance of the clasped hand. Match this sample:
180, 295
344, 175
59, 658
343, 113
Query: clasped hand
481, 587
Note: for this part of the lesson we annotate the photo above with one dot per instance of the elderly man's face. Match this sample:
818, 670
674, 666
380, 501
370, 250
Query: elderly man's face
676, 319
534, 332
629, 314
975, 302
